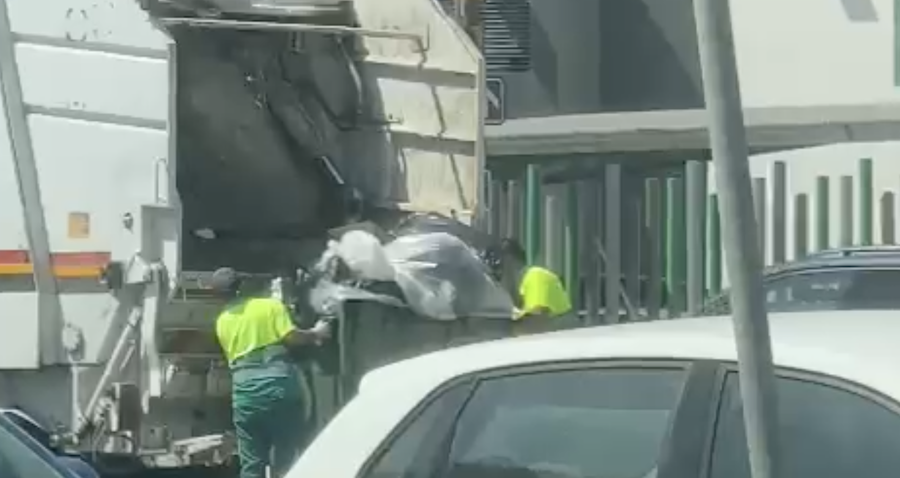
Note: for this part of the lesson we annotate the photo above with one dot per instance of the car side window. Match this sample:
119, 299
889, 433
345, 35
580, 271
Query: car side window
820, 290
604, 422
412, 452
836, 289
824, 432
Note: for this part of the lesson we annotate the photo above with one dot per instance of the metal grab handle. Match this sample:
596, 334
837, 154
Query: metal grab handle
158, 198
488, 189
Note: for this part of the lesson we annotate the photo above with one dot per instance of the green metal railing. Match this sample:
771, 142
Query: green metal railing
656, 234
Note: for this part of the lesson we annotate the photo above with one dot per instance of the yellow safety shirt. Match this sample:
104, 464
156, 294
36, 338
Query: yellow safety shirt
541, 288
251, 324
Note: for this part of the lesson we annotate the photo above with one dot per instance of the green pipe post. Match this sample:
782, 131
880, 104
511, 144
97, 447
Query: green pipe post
779, 213
532, 212
571, 271
846, 211
653, 190
714, 246
823, 224
676, 231
801, 226
866, 199
888, 218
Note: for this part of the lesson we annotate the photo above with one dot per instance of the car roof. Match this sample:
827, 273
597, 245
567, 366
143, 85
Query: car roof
856, 256
857, 346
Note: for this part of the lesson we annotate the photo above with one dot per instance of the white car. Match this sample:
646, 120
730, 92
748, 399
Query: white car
653, 399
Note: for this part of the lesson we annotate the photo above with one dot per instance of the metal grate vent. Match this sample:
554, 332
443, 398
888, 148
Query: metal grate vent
507, 35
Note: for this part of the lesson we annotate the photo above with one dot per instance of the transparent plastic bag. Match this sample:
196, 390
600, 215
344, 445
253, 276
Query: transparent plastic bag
327, 297
364, 255
443, 278
485, 246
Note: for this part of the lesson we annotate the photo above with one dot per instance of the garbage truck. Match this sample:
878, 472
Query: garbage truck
145, 143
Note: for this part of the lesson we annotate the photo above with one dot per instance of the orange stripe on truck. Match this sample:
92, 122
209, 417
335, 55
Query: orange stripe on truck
66, 265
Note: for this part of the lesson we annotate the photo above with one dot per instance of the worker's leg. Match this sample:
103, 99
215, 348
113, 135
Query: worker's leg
288, 429
253, 438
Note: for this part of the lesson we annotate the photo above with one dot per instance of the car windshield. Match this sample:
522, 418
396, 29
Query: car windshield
19, 460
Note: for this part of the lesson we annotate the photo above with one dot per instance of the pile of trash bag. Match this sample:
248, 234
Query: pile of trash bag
485, 246
436, 266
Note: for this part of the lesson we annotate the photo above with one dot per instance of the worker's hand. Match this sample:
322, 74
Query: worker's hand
322, 330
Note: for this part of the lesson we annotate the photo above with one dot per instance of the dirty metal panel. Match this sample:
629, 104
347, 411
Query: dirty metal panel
430, 154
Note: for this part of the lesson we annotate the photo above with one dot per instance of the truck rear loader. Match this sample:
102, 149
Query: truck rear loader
144, 143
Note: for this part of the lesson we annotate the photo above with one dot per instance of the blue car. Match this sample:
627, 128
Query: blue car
22, 455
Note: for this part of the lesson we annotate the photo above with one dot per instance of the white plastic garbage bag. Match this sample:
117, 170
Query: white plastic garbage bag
439, 275
364, 255
443, 278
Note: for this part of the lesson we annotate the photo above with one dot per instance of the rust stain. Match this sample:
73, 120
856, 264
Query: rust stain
79, 225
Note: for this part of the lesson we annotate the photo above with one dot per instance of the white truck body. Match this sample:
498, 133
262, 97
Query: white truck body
93, 172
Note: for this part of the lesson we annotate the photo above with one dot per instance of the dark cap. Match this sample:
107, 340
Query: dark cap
224, 279
511, 248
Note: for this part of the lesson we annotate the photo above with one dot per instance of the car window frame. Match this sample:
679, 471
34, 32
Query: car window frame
458, 383
791, 373
700, 377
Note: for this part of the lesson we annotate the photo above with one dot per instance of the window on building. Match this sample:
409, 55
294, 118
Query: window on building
503, 28
506, 30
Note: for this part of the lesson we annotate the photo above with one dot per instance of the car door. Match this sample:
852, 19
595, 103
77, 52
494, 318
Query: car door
572, 420
828, 428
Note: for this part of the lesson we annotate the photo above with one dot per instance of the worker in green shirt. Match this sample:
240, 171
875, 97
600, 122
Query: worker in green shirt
255, 334
539, 293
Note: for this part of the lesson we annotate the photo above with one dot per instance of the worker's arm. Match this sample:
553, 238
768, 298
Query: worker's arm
299, 337
291, 335
536, 312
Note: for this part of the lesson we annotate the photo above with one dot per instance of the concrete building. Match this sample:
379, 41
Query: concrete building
559, 57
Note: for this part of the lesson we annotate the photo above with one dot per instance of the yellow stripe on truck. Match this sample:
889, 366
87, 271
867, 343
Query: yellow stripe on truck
61, 272
66, 265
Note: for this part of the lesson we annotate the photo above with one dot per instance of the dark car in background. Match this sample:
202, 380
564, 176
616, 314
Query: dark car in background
852, 278
21, 456
26, 432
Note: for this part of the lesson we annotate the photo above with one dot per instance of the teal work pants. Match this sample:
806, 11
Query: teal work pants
269, 420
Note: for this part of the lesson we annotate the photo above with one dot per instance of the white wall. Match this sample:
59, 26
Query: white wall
815, 52
819, 52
